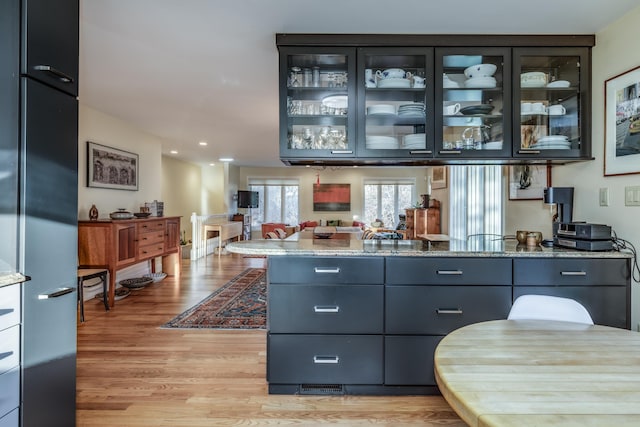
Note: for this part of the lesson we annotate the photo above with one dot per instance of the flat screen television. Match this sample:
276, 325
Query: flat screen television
248, 199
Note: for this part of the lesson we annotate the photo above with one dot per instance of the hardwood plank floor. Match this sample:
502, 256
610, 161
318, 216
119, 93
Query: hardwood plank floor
131, 373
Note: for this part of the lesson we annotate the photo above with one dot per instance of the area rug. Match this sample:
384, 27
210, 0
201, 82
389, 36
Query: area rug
238, 304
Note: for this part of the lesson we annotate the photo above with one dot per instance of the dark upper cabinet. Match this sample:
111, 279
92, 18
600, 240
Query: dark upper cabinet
317, 103
427, 99
551, 103
50, 42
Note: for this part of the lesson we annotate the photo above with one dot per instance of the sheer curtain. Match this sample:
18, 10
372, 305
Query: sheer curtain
476, 201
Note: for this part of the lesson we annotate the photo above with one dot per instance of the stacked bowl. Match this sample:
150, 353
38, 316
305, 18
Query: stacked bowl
480, 76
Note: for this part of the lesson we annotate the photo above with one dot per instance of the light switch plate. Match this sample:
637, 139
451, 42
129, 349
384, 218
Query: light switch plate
604, 197
632, 196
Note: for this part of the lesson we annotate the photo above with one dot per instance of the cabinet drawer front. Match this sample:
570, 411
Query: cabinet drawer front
442, 309
9, 390
9, 348
9, 306
327, 270
607, 305
571, 271
157, 225
336, 309
409, 360
444, 271
333, 359
151, 251
151, 237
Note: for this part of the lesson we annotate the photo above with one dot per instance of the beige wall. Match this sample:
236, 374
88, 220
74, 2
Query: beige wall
615, 52
101, 128
181, 184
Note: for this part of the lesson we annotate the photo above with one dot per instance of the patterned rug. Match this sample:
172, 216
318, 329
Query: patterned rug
238, 304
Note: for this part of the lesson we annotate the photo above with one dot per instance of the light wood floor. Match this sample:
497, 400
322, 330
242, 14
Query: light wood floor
133, 374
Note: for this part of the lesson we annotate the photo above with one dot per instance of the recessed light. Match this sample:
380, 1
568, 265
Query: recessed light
226, 159
203, 143
212, 164
173, 152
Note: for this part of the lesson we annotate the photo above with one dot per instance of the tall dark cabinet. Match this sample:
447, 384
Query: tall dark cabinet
40, 154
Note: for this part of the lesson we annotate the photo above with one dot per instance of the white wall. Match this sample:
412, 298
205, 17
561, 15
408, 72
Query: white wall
616, 51
107, 130
181, 183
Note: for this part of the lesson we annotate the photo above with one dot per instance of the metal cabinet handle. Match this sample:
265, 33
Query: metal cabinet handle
528, 151
341, 151
449, 311
449, 272
326, 308
6, 354
573, 273
450, 152
5, 311
420, 152
333, 360
60, 292
65, 78
326, 270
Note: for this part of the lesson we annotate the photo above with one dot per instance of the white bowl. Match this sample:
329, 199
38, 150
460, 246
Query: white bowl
480, 82
533, 79
381, 109
157, 277
559, 83
480, 70
392, 73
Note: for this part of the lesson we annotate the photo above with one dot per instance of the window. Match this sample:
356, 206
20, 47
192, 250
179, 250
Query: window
476, 199
278, 201
386, 199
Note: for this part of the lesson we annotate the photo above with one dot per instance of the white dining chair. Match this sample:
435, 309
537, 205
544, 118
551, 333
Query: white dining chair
546, 307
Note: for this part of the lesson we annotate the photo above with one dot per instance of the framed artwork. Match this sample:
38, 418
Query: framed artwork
438, 177
109, 167
622, 124
527, 182
331, 197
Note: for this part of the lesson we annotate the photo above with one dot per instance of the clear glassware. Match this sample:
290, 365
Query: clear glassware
294, 78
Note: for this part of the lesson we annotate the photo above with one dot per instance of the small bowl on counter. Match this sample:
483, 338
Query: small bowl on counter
121, 214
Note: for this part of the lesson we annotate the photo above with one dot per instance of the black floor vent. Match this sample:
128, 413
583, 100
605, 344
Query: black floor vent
321, 389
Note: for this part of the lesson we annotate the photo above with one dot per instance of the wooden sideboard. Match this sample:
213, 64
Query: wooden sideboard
116, 244
423, 221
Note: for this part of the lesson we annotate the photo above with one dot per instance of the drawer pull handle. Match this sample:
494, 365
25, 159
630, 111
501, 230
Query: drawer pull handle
449, 311
420, 152
326, 360
56, 294
6, 311
341, 151
573, 273
6, 354
450, 152
528, 151
64, 78
326, 308
449, 272
327, 270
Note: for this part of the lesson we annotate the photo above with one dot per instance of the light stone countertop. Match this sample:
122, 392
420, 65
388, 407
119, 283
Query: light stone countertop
473, 247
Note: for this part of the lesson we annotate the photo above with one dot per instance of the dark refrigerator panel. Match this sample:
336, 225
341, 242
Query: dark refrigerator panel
49, 188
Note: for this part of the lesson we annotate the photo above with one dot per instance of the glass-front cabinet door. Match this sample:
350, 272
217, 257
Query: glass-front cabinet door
551, 98
395, 93
473, 103
317, 102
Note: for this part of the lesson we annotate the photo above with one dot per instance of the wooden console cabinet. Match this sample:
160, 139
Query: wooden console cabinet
422, 221
120, 243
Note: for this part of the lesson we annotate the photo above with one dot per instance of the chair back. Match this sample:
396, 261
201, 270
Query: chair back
546, 307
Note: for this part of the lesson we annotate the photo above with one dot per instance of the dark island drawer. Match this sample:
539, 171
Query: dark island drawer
10, 390
571, 271
441, 309
448, 271
335, 309
327, 270
324, 359
607, 305
409, 360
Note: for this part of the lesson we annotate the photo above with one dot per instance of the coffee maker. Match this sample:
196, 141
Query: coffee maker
562, 197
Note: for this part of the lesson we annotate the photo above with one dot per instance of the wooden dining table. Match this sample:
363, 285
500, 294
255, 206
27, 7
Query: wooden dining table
520, 373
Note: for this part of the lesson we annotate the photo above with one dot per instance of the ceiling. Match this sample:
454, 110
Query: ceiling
207, 70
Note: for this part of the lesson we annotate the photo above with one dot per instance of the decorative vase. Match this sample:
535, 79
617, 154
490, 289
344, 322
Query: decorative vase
93, 213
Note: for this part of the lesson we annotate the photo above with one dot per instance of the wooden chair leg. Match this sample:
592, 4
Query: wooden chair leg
105, 286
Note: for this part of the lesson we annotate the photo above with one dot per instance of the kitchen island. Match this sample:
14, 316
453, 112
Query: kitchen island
365, 316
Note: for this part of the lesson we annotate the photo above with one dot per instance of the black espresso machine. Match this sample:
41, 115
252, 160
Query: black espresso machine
577, 235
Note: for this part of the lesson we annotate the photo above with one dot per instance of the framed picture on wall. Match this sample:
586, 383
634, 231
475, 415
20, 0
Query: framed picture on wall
109, 167
331, 197
622, 124
527, 182
438, 177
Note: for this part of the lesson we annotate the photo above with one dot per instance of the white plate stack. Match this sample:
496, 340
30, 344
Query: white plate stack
552, 142
379, 142
381, 109
415, 141
415, 109
480, 76
394, 83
